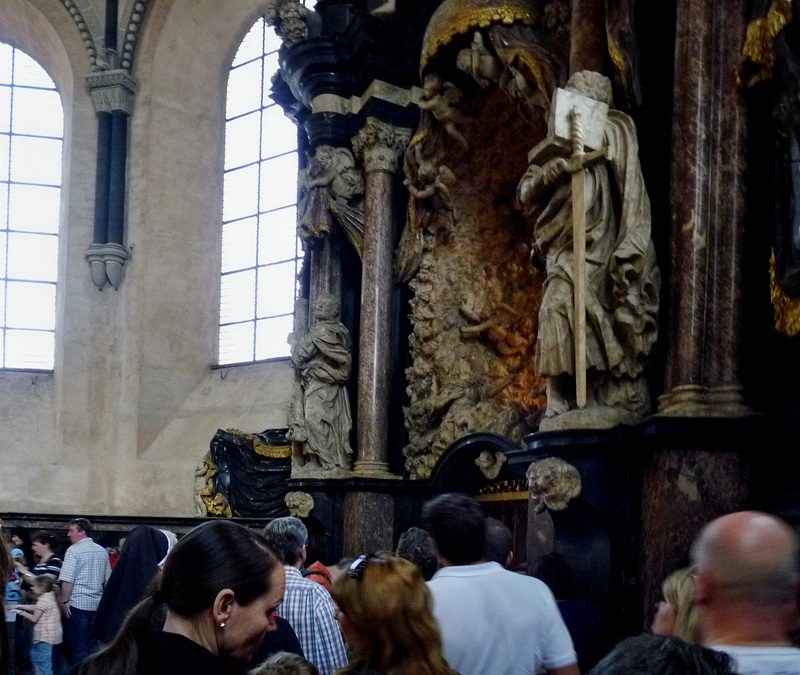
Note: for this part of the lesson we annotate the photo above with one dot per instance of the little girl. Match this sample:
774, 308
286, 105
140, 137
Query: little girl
46, 621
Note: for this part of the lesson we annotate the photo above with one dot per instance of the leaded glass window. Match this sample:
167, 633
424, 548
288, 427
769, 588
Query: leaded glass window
260, 250
31, 138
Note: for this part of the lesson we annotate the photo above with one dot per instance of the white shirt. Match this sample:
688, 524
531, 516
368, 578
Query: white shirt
763, 660
86, 566
496, 622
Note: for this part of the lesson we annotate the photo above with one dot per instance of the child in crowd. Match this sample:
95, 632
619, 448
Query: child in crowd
12, 599
47, 623
285, 663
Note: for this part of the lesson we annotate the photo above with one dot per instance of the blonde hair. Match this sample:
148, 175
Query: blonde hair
389, 608
45, 582
285, 663
678, 590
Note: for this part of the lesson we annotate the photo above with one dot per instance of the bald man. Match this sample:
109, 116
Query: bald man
746, 591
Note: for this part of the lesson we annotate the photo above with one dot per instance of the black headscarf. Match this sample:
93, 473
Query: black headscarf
145, 547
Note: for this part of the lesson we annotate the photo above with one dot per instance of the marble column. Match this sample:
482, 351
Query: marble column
326, 270
708, 212
380, 146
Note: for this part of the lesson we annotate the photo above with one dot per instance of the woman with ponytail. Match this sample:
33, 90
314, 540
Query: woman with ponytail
219, 588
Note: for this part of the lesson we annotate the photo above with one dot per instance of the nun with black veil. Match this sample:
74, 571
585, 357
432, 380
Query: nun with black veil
145, 548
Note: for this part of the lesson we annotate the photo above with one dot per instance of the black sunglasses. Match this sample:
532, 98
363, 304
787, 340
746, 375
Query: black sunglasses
356, 569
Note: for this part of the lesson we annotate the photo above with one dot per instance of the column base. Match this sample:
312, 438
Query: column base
372, 469
696, 400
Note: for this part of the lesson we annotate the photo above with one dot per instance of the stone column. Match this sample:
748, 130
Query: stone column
380, 146
708, 212
326, 270
113, 93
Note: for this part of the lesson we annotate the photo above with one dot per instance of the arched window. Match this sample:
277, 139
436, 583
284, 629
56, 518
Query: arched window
260, 250
31, 136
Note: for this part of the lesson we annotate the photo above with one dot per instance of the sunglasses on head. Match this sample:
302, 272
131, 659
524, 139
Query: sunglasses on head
356, 569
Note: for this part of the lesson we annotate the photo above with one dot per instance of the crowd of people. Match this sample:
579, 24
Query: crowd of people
226, 600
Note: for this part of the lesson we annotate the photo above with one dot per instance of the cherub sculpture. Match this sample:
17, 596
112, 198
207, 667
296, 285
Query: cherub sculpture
441, 100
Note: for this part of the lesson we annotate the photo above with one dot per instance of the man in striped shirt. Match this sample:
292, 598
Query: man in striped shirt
306, 605
84, 574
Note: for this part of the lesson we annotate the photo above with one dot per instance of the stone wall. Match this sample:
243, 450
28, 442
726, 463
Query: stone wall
133, 402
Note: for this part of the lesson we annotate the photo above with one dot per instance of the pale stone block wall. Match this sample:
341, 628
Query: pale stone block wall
133, 402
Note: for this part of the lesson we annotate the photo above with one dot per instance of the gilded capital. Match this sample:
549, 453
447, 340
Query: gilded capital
380, 145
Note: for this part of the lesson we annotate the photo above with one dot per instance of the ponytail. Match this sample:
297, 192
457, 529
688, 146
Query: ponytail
214, 556
121, 655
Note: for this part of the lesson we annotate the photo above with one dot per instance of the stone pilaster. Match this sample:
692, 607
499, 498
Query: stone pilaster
380, 146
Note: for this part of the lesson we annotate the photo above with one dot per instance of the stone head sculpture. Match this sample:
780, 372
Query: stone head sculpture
552, 483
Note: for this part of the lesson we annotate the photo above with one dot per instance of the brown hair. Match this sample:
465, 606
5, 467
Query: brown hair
388, 606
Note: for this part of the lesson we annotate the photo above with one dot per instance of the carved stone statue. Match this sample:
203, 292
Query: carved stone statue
622, 279
291, 20
321, 419
552, 483
333, 188
207, 502
300, 504
490, 463
441, 99
201, 476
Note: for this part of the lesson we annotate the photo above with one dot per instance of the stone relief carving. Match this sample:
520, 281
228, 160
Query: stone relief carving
622, 279
475, 295
289, 19
490, 463
320, 419
332, 187
552, 484
465, 248
300, 504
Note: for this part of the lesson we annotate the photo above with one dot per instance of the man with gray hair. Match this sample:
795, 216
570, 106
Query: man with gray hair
746, 591
306, 605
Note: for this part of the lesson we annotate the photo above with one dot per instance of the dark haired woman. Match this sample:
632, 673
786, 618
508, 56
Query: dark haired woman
44, 548
220, 586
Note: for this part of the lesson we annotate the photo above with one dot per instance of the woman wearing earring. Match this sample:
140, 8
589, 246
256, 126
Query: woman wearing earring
384, 610
219, 587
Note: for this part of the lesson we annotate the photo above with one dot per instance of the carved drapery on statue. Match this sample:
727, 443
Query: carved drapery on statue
320, 419
622, 279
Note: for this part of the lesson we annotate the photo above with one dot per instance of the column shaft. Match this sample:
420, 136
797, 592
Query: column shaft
116, 177
101, 177
707, 212
381, 146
